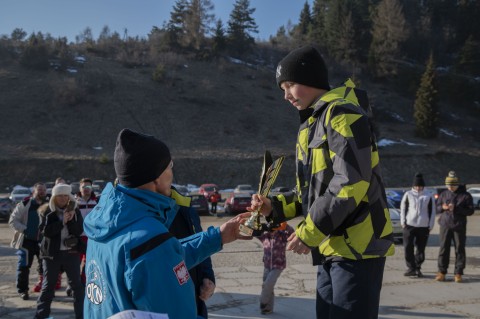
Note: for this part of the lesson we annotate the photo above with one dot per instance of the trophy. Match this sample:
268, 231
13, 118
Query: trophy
270, 171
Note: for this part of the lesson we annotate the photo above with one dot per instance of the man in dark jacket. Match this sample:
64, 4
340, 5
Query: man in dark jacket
453, 206
187, 223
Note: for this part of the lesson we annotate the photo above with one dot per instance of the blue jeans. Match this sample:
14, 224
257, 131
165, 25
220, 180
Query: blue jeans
349, 289
25, 255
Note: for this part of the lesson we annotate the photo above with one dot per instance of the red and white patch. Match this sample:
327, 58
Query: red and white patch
181, 272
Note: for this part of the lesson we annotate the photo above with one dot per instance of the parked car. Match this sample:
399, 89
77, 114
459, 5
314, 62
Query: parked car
237, 203
6, 207
244, 188
200, 203
395, 195
395, 218
475, 192
75, 187
49, 186
280, 190
181, 189
439, 190
18, 194
99, 185
207, 189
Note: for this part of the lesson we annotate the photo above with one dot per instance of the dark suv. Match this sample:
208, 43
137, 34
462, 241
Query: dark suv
200, 203
237, 203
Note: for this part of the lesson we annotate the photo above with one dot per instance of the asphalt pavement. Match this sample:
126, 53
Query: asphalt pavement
238, 270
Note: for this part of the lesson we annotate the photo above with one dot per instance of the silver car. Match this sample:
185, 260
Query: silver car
396, 225
475, 192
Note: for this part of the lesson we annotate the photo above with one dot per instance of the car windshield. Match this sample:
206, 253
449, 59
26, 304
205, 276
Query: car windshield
21, 191
209, 188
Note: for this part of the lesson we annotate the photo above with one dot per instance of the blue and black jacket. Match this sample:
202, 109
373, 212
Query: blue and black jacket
133, 262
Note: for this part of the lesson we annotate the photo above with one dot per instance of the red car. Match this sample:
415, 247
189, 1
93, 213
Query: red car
207, 189
237, 203
200, 203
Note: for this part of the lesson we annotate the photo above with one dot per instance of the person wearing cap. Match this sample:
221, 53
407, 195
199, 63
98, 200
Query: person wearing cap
453, 206
24, 221
340, 192
417, 217
61, 225
133, 261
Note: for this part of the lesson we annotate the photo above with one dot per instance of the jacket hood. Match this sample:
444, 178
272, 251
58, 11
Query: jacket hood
120, 206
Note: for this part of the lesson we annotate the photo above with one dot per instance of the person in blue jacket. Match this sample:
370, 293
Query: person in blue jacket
186, 223
133, 262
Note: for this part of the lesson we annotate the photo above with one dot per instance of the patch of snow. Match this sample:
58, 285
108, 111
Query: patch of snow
448, 133
396, 116
386, 142
98, 148
71, 70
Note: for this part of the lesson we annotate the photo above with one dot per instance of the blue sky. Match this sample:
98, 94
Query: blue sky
69, 18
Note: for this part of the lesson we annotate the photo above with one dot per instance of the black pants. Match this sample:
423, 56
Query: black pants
70, 262
214, 208
26, 254
459, 238
349, 289
415, 237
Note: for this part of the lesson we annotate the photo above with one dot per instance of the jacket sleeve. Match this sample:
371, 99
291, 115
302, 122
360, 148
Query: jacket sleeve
159, 279
404, 209
200, 246
432, 212
75, 225
465, 205
349, 143
205, 267
50, 224
16, 218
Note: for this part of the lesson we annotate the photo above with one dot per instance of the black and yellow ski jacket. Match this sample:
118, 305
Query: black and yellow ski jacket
340, 190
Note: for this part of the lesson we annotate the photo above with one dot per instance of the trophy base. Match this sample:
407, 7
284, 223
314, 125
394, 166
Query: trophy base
245, 230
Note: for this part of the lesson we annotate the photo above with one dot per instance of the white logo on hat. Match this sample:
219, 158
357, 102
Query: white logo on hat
279, 71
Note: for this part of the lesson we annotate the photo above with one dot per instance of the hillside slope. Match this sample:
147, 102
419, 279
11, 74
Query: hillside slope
218, 118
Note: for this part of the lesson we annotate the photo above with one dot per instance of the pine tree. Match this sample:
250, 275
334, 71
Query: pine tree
425, 108
317, 33
301, 30
389, 32
240, 25
175, 26
219, 39
197, 23
35, 54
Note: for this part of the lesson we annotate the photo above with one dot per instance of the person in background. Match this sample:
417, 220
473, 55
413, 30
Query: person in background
453, 206
24, 221
346, 225
274, 262
60, 180
61, 225
187, 223
214, 199
133, 261
417, 217
86, 201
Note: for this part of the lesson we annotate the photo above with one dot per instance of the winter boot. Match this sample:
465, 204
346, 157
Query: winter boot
38, 285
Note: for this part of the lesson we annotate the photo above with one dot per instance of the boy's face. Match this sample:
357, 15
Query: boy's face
299, 95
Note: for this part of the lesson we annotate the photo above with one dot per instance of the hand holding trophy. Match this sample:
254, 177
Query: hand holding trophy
270, 170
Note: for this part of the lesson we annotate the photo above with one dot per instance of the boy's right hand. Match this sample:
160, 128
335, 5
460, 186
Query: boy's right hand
261, 203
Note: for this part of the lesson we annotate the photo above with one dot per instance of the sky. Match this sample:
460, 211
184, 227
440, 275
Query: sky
69, 18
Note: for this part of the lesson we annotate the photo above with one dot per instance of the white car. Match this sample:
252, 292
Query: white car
19, 193
475, 192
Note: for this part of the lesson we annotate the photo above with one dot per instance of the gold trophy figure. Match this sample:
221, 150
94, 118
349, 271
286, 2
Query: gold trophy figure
270, 172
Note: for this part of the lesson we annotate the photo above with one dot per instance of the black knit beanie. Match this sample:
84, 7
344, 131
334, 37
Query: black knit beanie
304, 66
418, 180
139, 158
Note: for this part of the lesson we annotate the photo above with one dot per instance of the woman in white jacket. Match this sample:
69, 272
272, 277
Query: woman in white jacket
417, 216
